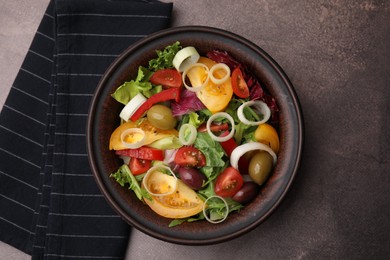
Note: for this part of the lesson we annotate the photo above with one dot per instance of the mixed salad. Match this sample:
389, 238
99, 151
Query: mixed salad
198, 135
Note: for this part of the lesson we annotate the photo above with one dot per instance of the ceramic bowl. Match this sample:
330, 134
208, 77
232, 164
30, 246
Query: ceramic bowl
103, 119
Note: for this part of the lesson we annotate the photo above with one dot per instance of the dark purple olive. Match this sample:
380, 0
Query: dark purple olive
192, 177
248, 192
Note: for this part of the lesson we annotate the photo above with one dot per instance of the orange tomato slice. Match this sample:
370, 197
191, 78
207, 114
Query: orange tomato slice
182, 203
214, 97
151, 134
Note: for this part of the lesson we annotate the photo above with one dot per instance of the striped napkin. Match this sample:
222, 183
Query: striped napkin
50, 206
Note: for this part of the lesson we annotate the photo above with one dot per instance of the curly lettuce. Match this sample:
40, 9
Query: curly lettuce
124, 93
214, 154
124, 177
164, 57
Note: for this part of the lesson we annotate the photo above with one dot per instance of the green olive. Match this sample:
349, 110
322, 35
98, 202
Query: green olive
160, 116
260, 167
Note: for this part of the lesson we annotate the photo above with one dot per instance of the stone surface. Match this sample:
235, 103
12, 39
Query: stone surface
336, 54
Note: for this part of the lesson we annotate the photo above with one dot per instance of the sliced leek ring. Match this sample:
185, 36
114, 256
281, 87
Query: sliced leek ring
203, 84
171, 186
191, 139
247, 147
209, 219
216, 67
220, 138
138, 142
260, 106
132, 106
185, 58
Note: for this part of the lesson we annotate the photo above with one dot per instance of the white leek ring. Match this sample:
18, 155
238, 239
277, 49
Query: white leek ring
219, 66
260, 106
196, 88
191, 138
244, 148
205, 207
149, 173
132, 106
220, 138
132, 131
185, 58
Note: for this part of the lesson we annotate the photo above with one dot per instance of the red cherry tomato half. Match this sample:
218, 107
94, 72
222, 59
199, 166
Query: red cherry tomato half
240, 88
228, 183
145, 153
170, 78
190, 157
139, 166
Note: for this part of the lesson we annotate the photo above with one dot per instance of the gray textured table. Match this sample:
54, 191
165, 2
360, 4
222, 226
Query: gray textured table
336, 54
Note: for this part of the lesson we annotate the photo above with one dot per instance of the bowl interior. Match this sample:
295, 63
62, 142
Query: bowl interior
103, 119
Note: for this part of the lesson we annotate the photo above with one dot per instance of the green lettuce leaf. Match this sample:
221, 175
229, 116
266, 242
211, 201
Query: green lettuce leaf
214, 153
164, 57
130, 89
124, 176
243, 133
195, 120
211, 149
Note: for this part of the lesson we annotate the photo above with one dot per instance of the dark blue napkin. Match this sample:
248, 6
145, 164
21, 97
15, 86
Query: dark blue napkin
50, 206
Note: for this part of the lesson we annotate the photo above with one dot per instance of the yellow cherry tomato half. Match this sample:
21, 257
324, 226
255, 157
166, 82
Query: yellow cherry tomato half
182, 203
151, 134
215, 97
266, 134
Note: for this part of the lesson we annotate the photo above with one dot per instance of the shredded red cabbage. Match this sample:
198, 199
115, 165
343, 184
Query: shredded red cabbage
255, 88
189, 102
223, 57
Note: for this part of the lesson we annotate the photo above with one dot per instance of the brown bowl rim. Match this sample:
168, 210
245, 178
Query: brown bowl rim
113, 198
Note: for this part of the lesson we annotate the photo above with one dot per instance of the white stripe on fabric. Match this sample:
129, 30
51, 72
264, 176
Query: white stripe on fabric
83, 216
89, 54
115, 15
20, 158
16, 179
17, 202
71, 154
22, 228
30, 95
70, 134
84, 236
76, 195
35, 75
40, 55
71, 174
75, 94
38, 246
71, 114
23, 114
46, 36
79, 74
22, 136
103, 35
48, 15
41, 226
